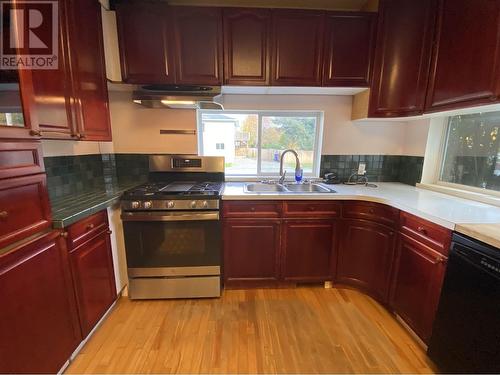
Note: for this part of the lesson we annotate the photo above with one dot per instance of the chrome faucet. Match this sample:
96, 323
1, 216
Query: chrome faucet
297, 164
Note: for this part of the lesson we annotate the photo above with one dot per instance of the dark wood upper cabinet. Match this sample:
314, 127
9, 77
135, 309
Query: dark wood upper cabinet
52, 89
88, 69
198, 45
297, 47
247, 46
349, 48
307, 249
466, 61
144, 36
38, 318
402, 58
365, 257
418, 277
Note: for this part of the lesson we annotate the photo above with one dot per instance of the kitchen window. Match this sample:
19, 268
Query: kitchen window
471, 152
252, 141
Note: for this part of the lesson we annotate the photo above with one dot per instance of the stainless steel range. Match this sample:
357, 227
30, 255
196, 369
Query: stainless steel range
172, 229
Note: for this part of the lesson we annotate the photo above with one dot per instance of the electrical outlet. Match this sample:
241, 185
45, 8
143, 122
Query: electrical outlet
361, 168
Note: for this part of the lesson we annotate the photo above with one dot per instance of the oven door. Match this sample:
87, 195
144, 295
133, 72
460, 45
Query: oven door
172, 243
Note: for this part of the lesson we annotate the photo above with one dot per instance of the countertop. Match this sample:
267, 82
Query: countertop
445, 210
487, 233
69, 209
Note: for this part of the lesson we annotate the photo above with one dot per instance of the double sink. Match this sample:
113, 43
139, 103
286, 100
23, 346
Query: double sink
260, 187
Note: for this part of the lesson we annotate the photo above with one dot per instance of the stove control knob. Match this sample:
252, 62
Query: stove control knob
148, 204
135, 204
205, 204
170, 204
193, 204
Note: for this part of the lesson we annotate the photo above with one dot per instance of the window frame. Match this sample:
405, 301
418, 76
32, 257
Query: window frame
433, 165
318, 140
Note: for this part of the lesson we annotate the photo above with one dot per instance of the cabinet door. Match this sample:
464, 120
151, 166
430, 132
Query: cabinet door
307, 249
246, 54
365, 257
251, 251
297, 47
349, 48
54, 100
466, 62
144, 35
198, 45
24, 208
94, 280
88, 69
402, 59
418, 278
38, 318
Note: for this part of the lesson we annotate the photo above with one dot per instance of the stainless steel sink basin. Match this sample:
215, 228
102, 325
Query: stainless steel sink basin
260, 187
308, 188
264, 188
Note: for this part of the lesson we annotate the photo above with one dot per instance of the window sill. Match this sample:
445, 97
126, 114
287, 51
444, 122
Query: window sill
465, 194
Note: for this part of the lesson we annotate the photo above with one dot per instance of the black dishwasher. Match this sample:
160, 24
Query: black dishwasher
466, 332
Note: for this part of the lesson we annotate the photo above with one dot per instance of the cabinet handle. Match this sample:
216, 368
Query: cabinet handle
439, 260
371, 211
422, 230
4, 214
312, 208
64, 234
90, 226
493, 98
81, 136
109, 231
35, 133
252, 209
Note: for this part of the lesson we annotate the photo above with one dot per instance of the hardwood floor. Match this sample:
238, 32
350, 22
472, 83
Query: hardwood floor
301, 330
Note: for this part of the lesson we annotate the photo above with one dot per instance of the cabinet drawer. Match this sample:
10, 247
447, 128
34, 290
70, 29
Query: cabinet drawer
432, 235
377, 212
20, 159
251, 209
24, 208
87, 228
322, 209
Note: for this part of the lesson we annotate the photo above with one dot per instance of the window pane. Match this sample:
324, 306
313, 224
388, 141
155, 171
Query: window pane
472, 154
233, 136
280, 133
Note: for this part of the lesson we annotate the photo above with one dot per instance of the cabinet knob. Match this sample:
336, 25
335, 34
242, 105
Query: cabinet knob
90, 226
371, 210
440, 260
64, 234
4, 214
312, 208
109, 231
35, 133
252, 209
422, 230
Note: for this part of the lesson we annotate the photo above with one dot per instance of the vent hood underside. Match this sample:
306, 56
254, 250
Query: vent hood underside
178, 97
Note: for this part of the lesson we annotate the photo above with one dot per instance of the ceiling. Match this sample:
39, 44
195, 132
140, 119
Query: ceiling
352, 5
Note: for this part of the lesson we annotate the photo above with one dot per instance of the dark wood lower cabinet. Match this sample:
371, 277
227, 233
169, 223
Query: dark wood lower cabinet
38, 317
418, 277
365, 257
307, 249
251, 251
94, 280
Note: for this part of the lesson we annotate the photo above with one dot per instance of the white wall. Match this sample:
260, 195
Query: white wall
136, 129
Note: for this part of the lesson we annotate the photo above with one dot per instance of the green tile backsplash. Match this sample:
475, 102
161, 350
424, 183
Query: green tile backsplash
379, 168
70, 175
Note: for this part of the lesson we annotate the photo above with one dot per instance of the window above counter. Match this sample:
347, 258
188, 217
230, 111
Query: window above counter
252, 141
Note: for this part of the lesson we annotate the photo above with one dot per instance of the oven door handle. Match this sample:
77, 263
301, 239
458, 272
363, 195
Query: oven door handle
170, 216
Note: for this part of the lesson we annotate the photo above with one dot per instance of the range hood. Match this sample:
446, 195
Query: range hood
178, 96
